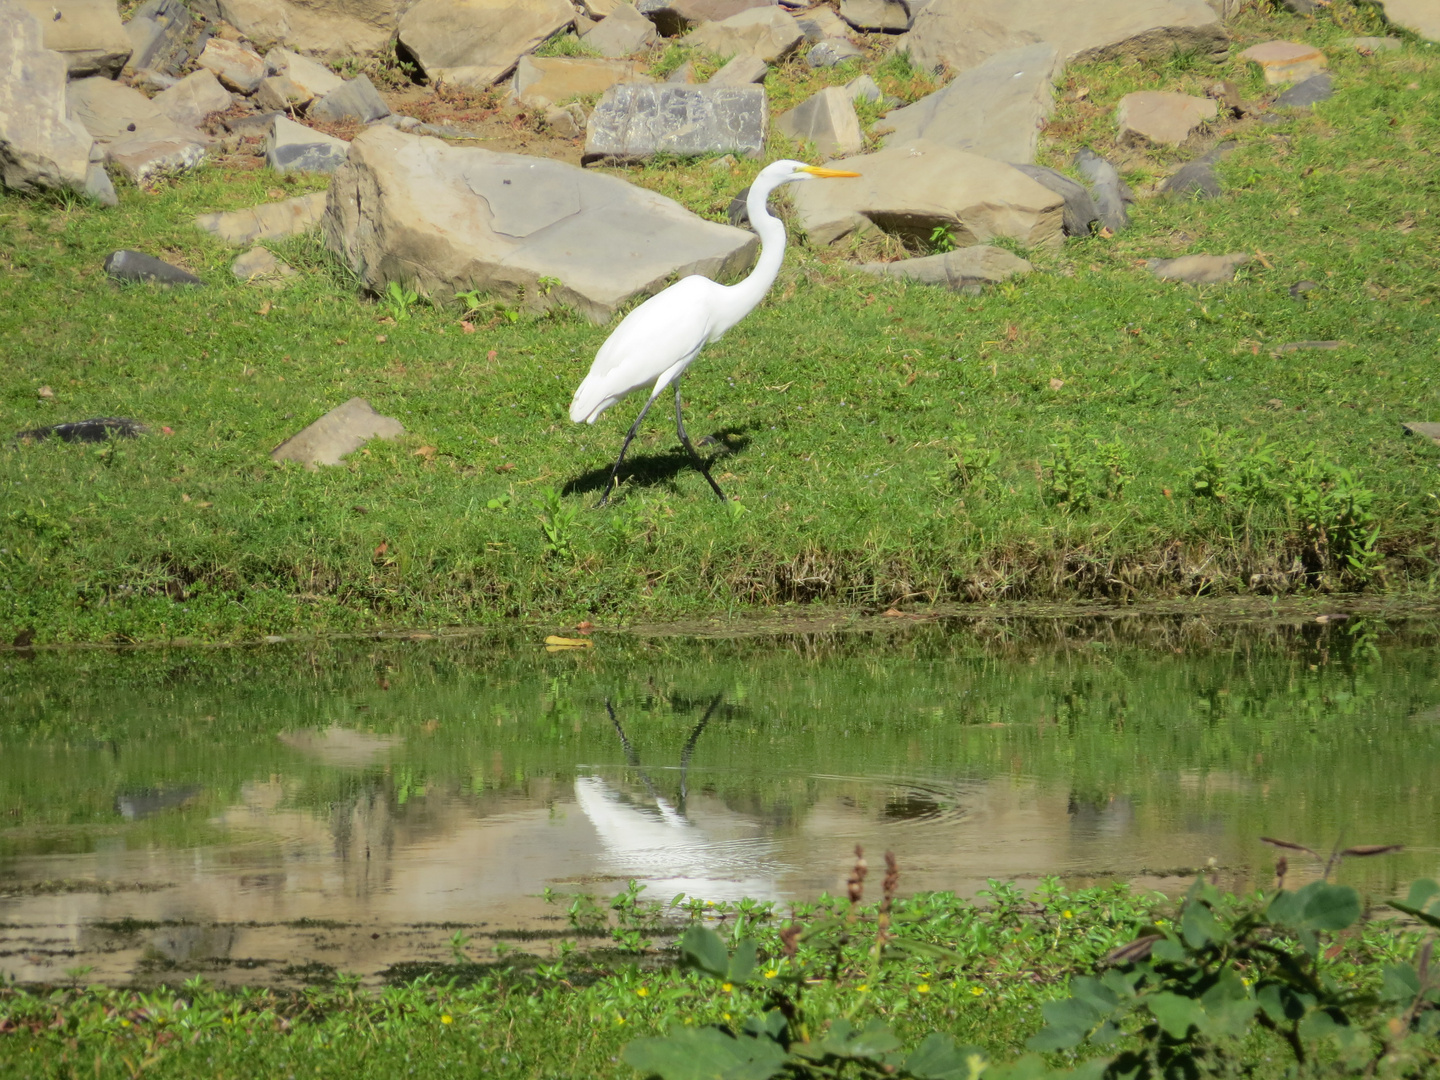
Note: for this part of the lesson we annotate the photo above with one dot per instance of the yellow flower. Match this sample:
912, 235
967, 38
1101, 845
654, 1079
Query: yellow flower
923, 988
726, 987
1067, 914
644, 991
619, 1019
771, 973
977, 990
863, 988
124, 1023
447, 1019
726, 1016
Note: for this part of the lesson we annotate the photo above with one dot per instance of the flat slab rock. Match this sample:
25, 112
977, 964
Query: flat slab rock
1421, 16
442, 219
965, 269
129, 265
1198, 269
1424, 430
765, 32
268, 221
292, 147
476, 43
343, 430
963, 34
995, 109
634, 122
1285, 61
827, 120
1161, 117
86, 33
543, 80
673, 17
909, 191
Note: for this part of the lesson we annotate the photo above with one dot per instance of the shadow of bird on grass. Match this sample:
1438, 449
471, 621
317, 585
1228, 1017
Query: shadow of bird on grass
655, 470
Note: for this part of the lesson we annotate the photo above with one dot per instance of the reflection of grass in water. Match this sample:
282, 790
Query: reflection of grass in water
1242, 726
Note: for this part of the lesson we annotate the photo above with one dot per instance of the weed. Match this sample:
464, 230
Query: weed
399, 300
557, 523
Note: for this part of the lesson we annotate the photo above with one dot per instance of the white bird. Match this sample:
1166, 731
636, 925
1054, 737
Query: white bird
657, 341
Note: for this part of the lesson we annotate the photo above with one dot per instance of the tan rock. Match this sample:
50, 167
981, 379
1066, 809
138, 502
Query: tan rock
343, 430
767, 33
332, 29
1198, 269
476, 43
911, 190
193, 98
963, 34
138, 138
278, 93
237, 67
1421, 16
545, 80
600, 9
87, 33
443, 218
624, 33
1285, 61
268, 221
741, 70
310, 77
265, 22
827, 120
1161, 118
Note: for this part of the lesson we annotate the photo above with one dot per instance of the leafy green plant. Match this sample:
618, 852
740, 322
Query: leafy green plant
399, 300
1066, 481
1334, 513
941, 240
557, 522
972, 466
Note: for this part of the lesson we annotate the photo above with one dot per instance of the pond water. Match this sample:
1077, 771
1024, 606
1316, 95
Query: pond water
264, 814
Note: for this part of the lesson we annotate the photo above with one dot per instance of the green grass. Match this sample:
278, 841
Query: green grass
886, 443
572, 1018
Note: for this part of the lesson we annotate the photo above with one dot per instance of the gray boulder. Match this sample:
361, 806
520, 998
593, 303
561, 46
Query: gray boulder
355, 100
443, 218
892, 16
193, 98
1197, 179
476, 43
137, 137
633, 122
820, 23
963, 34
1111, 194
541, 81
742, 70
41, 147
268, 221
623, 33
309, 78
672, 17
827, 120
1161, 117
137, 266
86, 33
292, 147
832, 51
1308, 94
995, 110
766, 32
1198, 269
343, 430
237, 67
1080, 208
909, 191
965, 269
157, 32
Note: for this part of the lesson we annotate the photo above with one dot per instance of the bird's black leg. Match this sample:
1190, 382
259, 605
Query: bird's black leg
700, 463
610, 484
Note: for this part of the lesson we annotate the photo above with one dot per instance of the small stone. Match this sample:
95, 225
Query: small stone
45, 392
1300, 288
238, 68
821, 23
1193, 180
354, 100
1161, 118
193, 98
312, 78
260, 263
1372, 44
1110, 192
830, 52
1198, 269
1285, 61
277, 93
341, 431
864, 88
827, 120
685, 73
292, 147
563, 121
623, 33
742, 70
137, 266
887, 15
89, 431
1424, 430
1305, 95
963, 270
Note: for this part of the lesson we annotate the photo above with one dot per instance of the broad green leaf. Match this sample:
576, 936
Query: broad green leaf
702, 949
1329, 907
1285, 908
1318, 1025
1069, 1022
1175, 1014
771, 1025
1198, 925
1028, 1067
705, 1054
1423, 902
742, 961
1168, 952
939, 1058
1399, 983
1094, 993
871, 1043
1280, 1003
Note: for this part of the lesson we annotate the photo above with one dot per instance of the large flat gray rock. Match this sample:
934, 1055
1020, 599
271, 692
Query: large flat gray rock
343, 430
476, 43
827, 120
193, 98
138, 138
624, 33
547, 80
332, 29
995, 109
964, 269
356, 99
963, 34
909, 191
86, 33
766, 32
41, 147
634, 122
157, 33
292, 147
442, 219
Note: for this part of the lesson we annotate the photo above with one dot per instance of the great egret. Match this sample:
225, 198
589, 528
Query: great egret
657, 341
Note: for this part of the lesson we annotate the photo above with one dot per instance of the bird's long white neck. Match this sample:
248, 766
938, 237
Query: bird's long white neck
746, 294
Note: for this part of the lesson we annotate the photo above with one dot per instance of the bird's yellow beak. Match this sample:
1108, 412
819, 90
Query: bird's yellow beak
816, 170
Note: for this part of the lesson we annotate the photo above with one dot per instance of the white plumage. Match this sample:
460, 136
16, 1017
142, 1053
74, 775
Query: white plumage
656, 342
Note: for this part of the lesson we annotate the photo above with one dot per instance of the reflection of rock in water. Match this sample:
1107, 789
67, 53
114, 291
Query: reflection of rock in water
725, 859
341, 747
1102, 815
135, 805
186, 943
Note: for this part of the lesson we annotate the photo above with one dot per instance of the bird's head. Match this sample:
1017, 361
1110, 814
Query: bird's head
788, 172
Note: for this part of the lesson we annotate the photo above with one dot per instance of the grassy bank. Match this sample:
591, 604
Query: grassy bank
975, 975
1087, 432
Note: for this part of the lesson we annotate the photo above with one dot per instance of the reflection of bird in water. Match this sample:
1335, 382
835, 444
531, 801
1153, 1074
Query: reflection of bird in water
660, 844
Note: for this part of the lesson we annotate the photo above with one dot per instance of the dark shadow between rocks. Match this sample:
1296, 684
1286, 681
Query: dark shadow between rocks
654, 470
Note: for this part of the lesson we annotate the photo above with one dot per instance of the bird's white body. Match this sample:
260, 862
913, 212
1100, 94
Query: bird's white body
656, 342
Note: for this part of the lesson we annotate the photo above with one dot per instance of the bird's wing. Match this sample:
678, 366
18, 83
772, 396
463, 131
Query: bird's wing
661, 335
